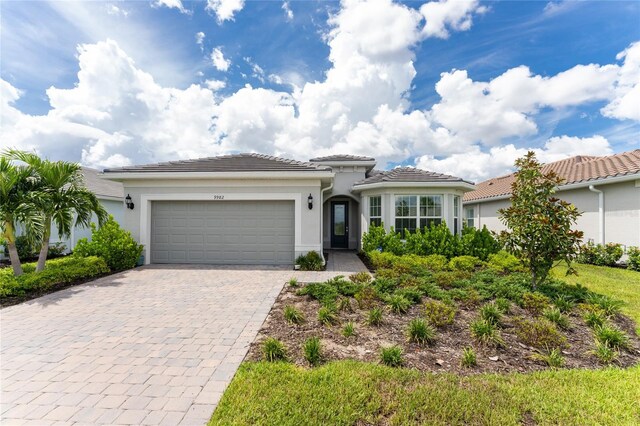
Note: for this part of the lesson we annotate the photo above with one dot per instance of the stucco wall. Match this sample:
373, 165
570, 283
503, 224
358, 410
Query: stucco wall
309, 238
622, 212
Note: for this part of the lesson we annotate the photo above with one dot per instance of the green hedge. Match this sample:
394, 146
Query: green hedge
600, 255
57, 271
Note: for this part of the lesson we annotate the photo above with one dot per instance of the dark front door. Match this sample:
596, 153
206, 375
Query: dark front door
340, 224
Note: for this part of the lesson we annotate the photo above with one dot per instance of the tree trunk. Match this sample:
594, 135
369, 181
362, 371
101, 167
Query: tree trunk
44, 249
15, 259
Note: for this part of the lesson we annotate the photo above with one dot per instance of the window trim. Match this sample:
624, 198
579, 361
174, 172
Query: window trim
456, 214
471, 210
418, 216
379, 206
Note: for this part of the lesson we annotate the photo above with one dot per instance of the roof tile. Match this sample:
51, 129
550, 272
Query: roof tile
407, 174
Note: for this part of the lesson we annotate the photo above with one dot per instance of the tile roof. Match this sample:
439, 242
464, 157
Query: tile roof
576, 169
343, 158
226, 163
98, 186
407, 174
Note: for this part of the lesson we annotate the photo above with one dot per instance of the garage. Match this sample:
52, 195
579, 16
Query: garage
223, 232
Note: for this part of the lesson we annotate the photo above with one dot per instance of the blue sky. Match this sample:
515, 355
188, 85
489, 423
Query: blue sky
324, 77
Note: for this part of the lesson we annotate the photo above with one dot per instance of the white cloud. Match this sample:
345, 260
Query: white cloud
224, 9
479, 165
443, 16
112, 9
626, 104
172, 4
215, 85
200, 39
288, 13
218, 60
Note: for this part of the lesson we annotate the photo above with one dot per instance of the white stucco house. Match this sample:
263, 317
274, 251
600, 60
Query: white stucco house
258, 209
605, 189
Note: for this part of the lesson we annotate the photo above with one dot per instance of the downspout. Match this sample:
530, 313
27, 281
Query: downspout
328, 188
600, 211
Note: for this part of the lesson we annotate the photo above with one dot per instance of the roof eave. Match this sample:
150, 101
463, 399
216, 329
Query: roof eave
457, 184
310, 174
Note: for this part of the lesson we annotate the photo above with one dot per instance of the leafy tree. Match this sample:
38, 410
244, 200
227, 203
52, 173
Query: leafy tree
62, 198
17, 206
539, 224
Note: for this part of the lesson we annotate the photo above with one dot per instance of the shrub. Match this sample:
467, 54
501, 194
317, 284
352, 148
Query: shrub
327, 316
312, 261
553, 358
26, 249
326, 294
439, 314
312, 350
564, 303
491, 314
464, 263
469, 358
420, 332
381, 260
633, 262
601, 255
293, 282
349, 329
374, 316
115, 245
609, 305
273, 350
539, 333
360, 277
377, 239
410, 293
504, 262
398, 304
435, 262
535, 302
595, 318
554, 315
611, 336
385, 285
366, 297
605, 353
293, 315
344, 304
478, 242
392, 356
503, 305
343, 286
56, 250
486, 333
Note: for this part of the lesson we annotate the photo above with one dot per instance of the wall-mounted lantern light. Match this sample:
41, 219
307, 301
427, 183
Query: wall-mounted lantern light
310, 201
128, 202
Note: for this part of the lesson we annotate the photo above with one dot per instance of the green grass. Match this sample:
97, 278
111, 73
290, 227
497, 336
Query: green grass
350, 392
614, 282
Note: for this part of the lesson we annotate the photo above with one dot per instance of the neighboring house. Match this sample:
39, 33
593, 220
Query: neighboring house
605, 189
258, 209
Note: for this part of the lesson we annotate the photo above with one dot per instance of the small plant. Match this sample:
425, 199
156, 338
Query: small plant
311, 261
503, 262
554, 315
366, 297
374, 317
564, 303
464, 263
273, 350
361, 277
391, 356
605, 353
535, 302
633, 263
293, 282
312, 350
420, 332
293, 315
552, 358
491, 313
539, 333
612, 336
327, 316
486, 333
469, 358
349, 329
595, 318
609, 305
344, 304
503, 305
398, 304
438, 313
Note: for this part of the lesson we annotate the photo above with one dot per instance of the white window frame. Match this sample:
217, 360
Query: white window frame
418, 216
456, 214
379, 208
470, 218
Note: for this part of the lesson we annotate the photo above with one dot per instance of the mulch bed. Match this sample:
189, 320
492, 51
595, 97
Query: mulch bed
444, 355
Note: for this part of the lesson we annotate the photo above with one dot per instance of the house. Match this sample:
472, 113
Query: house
605, 189
259, 209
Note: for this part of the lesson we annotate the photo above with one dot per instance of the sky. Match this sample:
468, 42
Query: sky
457, 87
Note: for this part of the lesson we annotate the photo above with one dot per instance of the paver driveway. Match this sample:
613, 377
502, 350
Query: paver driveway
148, 346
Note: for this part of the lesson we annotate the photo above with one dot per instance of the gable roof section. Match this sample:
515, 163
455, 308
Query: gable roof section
407, 174
101, 187
342, 158
226, 163
573, 170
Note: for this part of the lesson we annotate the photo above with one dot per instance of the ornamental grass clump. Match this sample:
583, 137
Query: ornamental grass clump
312, 351
327, 316
374, 316
293, 315
421, 332
486, 333
392, 356
273, 350
469, 358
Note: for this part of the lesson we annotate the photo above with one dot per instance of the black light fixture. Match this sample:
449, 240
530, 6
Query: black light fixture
310, 201
128, 202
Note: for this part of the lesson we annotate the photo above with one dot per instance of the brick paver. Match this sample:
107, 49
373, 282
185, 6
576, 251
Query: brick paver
154, 345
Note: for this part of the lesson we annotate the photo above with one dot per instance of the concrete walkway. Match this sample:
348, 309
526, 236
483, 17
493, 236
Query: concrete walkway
155, 345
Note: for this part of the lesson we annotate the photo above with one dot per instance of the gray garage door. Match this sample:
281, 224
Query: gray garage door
222, 232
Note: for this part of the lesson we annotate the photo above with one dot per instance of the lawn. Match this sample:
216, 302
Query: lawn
618, 283
351, 392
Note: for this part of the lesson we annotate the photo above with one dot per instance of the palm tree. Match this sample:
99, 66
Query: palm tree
17, 206
61, 197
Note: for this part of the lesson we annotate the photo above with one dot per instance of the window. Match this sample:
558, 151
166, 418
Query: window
456, 213
470, 217
413, 211
375, 210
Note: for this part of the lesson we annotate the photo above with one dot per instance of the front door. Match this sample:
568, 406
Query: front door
340, 224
